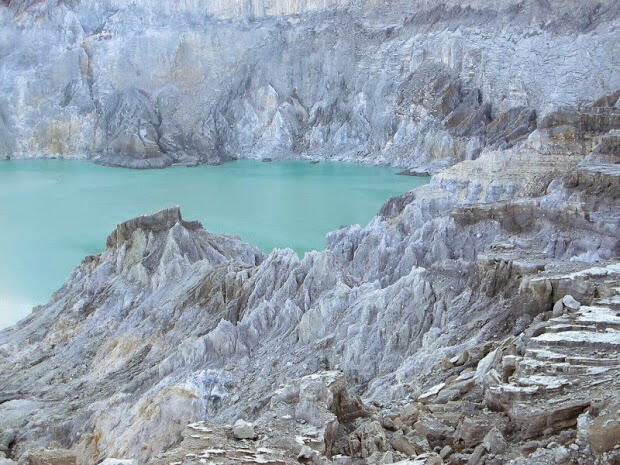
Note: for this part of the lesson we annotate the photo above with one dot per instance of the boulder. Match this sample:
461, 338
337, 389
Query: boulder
401, 444
445, 451
604, 430
486, 364
558, 309
565, 304
570, 303
306, 453
433, 429
477, 457
52, 457
472, 431
409, 414
7, 436
371, 438
379, 458
560, 454
243, 430
494, 442
430, 458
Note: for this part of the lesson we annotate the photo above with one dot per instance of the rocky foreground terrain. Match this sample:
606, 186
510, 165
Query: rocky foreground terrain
475, 320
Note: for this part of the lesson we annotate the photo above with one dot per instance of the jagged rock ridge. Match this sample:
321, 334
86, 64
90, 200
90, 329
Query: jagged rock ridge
442, 332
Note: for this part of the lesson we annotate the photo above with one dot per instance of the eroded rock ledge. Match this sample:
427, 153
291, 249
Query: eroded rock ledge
474, 320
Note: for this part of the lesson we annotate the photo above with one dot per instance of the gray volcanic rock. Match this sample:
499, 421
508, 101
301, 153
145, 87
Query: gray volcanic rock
412, 84
440, 307
427, 336
128, 132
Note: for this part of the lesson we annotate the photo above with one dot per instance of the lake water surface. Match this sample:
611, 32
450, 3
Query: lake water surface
54, 212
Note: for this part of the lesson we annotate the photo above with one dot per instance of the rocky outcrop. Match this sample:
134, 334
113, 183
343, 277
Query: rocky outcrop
413, 84
549, 382
442, 332
129, 130
474, 320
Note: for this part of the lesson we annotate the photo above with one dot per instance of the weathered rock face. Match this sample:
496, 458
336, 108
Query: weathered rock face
129, 129
428, 336
411, 84
442, 332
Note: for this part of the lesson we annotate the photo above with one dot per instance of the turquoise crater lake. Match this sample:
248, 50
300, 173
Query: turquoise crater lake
55, 212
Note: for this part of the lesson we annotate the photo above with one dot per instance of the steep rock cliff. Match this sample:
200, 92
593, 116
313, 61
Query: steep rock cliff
411, 84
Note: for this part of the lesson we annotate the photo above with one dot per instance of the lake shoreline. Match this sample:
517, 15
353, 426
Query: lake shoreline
102, 197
